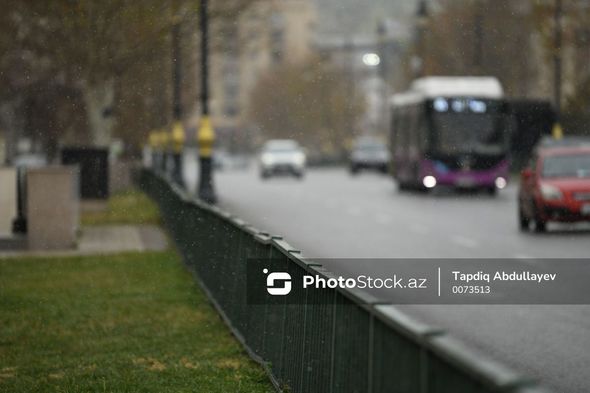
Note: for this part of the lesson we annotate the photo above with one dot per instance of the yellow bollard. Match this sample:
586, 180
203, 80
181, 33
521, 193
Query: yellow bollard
176, 147
205, 138
177, 137
557, 131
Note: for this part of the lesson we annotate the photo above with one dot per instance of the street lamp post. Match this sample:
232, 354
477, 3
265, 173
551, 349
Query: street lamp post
153, 146
177, 136
557, 131
478, 33
383, 73
206, 134
164, 147
422, 22
557, 18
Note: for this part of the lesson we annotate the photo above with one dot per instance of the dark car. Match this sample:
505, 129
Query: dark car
369, 154
555, 186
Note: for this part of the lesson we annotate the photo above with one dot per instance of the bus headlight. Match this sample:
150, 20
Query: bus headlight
500, 182
429, 181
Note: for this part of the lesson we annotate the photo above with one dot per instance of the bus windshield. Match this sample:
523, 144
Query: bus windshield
480, 133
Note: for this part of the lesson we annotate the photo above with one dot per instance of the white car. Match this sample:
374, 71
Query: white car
282, 156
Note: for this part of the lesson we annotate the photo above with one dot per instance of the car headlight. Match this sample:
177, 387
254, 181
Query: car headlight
299, 159
550, 192
267, 159
384, 156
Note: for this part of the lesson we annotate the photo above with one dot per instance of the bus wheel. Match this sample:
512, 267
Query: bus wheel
402, 186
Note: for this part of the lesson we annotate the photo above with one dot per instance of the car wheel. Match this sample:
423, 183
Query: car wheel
523, 221
299, 175
540, 226
354, 170
264, 175
492, 191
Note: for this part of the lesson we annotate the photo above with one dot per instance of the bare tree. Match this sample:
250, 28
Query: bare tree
310, 102
481, 37
115, 53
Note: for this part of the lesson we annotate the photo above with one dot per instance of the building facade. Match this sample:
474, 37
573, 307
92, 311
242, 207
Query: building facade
264, 35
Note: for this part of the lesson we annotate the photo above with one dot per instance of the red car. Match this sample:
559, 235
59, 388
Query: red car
555, 187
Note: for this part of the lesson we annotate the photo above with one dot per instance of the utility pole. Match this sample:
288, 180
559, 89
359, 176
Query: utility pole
383, 45
557, 43
557, 131
351, 85
478, 38
422, 23
206, 134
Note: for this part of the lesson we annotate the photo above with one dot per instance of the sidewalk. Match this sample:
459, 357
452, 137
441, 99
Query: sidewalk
106, 239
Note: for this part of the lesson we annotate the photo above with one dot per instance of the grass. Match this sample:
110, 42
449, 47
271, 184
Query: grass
132, 322
126, 323
127, 207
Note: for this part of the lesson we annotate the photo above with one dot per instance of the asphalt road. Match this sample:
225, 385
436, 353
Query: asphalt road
331, 214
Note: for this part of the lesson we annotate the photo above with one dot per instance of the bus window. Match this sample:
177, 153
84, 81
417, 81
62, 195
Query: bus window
423, 135
394, 127
468, 132
413, 136
400, 130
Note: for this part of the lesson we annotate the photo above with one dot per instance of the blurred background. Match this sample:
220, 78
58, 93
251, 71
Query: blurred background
320, 71
330, 85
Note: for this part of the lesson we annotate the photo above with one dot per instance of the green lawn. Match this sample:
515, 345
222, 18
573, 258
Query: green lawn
127, 323
127, 207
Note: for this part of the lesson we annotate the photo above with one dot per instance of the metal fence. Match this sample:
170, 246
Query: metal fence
334, 340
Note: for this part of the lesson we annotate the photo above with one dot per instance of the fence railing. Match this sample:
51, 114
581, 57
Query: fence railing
333, 340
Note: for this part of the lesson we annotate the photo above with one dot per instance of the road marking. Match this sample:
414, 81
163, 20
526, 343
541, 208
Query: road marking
464, 241
526, 259
439, 282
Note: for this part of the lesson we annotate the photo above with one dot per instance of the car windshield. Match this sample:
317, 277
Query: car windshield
370, 147
469, 133
280, 150
281, 147
571, 165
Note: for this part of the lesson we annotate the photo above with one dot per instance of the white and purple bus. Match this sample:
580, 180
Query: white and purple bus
451, 131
